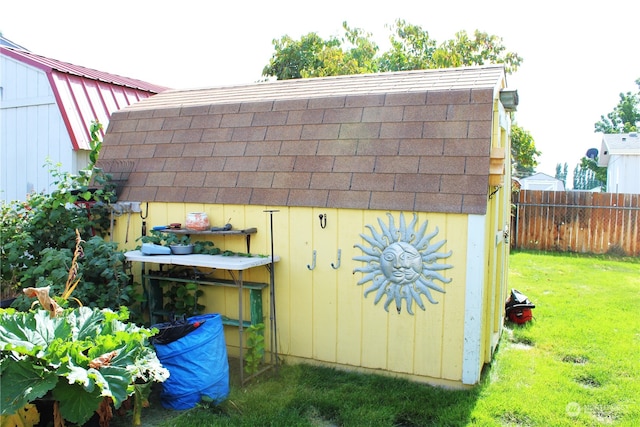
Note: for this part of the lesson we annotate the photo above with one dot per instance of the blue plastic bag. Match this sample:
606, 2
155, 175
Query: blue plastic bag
197, 364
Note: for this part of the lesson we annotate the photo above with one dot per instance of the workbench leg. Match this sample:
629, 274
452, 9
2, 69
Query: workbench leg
155, 300
240, 326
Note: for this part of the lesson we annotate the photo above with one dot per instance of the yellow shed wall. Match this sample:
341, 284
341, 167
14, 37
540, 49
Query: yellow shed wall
322, 314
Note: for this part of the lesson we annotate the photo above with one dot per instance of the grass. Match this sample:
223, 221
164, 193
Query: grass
576, 364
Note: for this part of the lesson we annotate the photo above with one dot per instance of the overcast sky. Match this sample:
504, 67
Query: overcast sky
577, 57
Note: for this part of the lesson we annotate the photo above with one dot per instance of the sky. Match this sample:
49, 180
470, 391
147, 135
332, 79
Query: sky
578, 56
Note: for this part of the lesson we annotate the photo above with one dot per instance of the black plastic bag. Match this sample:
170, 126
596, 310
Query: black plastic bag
172, 331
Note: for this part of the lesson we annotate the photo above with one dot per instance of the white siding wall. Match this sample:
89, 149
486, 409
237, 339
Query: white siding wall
31, 130
623, 174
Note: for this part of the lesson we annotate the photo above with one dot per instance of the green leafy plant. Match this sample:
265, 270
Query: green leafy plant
78, 359
181, 299
255, 348
37, 241
165, 238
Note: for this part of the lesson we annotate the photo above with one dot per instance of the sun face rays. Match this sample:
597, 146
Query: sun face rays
401, 263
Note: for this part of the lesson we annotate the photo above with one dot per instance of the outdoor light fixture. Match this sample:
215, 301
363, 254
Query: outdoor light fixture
509, 99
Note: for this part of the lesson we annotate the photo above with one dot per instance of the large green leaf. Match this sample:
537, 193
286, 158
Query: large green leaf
27, 332
115, 382
87, 323
21, 382
76, 405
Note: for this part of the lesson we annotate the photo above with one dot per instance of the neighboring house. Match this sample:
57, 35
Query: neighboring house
46, 108
541, 181
363, 170
620, 154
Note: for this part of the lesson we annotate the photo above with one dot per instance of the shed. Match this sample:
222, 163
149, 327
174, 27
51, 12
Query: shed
392, 214
621, 156
542, 182
45, 112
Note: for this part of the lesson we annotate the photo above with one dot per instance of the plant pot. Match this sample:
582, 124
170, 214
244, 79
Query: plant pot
181, 249
45, 409
6, 303
197, 221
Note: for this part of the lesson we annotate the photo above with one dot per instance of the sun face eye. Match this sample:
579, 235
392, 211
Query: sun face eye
389, 257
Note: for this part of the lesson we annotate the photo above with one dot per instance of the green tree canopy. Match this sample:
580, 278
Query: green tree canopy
312, 56
523, 152
585, 178
356, 53
625, 116
561, 173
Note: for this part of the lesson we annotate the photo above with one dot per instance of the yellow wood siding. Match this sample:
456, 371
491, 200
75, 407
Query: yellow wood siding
322, 314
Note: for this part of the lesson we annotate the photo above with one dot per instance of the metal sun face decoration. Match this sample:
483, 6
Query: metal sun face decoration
402, 263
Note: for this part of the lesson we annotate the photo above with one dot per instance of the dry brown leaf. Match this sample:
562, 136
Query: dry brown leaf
102, 360
45, 300
105, 412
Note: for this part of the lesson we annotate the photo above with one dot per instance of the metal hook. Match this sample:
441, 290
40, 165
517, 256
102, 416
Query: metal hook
313, 264
323, 220
146, 212
337, 265
144, 217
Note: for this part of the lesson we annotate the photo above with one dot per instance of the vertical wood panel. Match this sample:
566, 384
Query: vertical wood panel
301, 284
350, 301
324, 284
579, 222
454, 228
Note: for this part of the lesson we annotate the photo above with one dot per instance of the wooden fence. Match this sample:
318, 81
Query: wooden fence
576, 222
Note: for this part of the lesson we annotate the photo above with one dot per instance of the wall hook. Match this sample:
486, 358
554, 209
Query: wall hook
323, 220
337, 264
495, 190
146, 211
313, 263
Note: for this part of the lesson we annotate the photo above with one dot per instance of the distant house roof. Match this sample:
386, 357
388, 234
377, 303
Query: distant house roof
542, 181
417, 140
6, 42
84, 94
618, 144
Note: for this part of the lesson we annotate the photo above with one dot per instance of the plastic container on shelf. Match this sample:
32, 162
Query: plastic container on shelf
197, 221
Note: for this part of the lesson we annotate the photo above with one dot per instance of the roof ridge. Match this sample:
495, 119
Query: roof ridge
49, 64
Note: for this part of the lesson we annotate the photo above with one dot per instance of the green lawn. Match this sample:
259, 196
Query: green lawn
576, 364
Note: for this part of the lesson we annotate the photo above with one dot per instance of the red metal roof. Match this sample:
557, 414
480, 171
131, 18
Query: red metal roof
84, 94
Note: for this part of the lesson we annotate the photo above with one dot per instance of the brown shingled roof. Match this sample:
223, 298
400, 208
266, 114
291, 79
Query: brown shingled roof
417, 140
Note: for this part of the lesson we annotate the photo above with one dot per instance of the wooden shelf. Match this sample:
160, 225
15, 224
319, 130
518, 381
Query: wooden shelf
245, 232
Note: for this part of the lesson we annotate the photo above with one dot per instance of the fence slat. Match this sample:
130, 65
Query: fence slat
576, 221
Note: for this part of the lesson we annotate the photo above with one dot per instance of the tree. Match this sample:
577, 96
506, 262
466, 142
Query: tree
523, 152
312, 56
625, 116
561, 173
584, 178
411, 49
